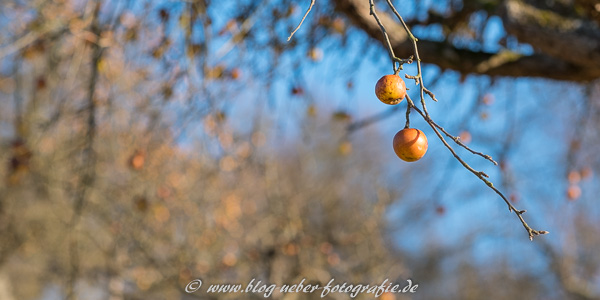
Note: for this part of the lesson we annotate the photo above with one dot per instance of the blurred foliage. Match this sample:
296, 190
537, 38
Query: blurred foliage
148, 143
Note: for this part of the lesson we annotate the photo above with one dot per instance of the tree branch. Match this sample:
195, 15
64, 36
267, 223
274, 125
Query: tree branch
573, 40
88, 168
437, 128
447, 56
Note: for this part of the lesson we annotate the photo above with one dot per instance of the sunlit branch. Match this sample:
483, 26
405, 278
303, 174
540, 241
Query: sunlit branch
437, 128
312, 2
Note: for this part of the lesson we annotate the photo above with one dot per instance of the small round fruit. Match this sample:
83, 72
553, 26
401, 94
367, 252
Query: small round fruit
390, 89
573, 192
410, 144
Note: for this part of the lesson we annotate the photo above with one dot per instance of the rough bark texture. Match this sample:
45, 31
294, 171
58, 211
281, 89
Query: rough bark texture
566, 48
591, 9
573, 40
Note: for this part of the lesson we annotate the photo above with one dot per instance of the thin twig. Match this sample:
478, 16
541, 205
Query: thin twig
414, 42
372, 119
457, 140
29, 38
312, 2
437, 128
481, 175
385, 35
422, 90
390, 49
407, 125
248, 23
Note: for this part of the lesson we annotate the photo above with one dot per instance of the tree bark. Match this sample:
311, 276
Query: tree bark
554, 65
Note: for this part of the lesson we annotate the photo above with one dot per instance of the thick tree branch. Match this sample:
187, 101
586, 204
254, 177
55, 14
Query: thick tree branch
591, 8
455, 18
446, 56
572, 40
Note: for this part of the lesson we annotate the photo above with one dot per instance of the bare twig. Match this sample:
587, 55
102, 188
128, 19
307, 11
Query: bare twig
481, 175
248, 23
29, 38
407, 117
437, 128
388, 43
312, 2
372, 119
457, 140
385, 34
414, 41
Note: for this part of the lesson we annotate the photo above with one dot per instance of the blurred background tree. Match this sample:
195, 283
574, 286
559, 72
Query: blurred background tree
148, 143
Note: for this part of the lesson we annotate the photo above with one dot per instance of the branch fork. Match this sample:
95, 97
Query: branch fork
434, 126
